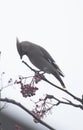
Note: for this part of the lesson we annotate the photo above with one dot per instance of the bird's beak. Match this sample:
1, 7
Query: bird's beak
21, 57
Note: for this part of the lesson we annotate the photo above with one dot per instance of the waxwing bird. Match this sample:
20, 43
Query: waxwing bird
40, 58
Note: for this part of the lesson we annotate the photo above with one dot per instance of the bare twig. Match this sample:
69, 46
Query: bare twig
67, 102
29, 66
66, 91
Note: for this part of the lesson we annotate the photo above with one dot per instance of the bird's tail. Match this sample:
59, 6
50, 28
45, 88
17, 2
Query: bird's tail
60, 80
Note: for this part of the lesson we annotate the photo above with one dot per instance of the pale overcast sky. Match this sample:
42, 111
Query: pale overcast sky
57, 25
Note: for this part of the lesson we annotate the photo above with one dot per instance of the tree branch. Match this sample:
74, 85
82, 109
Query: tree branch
67, 102
66, 91
28, 111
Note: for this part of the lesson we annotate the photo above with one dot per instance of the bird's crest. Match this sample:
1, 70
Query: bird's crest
17, 41
19, 47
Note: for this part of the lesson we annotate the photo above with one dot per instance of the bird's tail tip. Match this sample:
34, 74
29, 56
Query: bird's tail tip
17, 40
64, 87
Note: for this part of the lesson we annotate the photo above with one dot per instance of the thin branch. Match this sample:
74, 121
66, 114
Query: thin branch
29, 67
66, 91
2, 107
67, 102
28, 111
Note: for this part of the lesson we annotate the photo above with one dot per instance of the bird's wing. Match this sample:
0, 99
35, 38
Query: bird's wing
48, 57
59, 70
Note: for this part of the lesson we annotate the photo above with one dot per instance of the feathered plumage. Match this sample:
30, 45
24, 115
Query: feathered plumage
40, 58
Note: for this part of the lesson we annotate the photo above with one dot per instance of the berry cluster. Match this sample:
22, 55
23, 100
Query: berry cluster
27, 90
38, 77
42, 108
38, 114
17, 127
